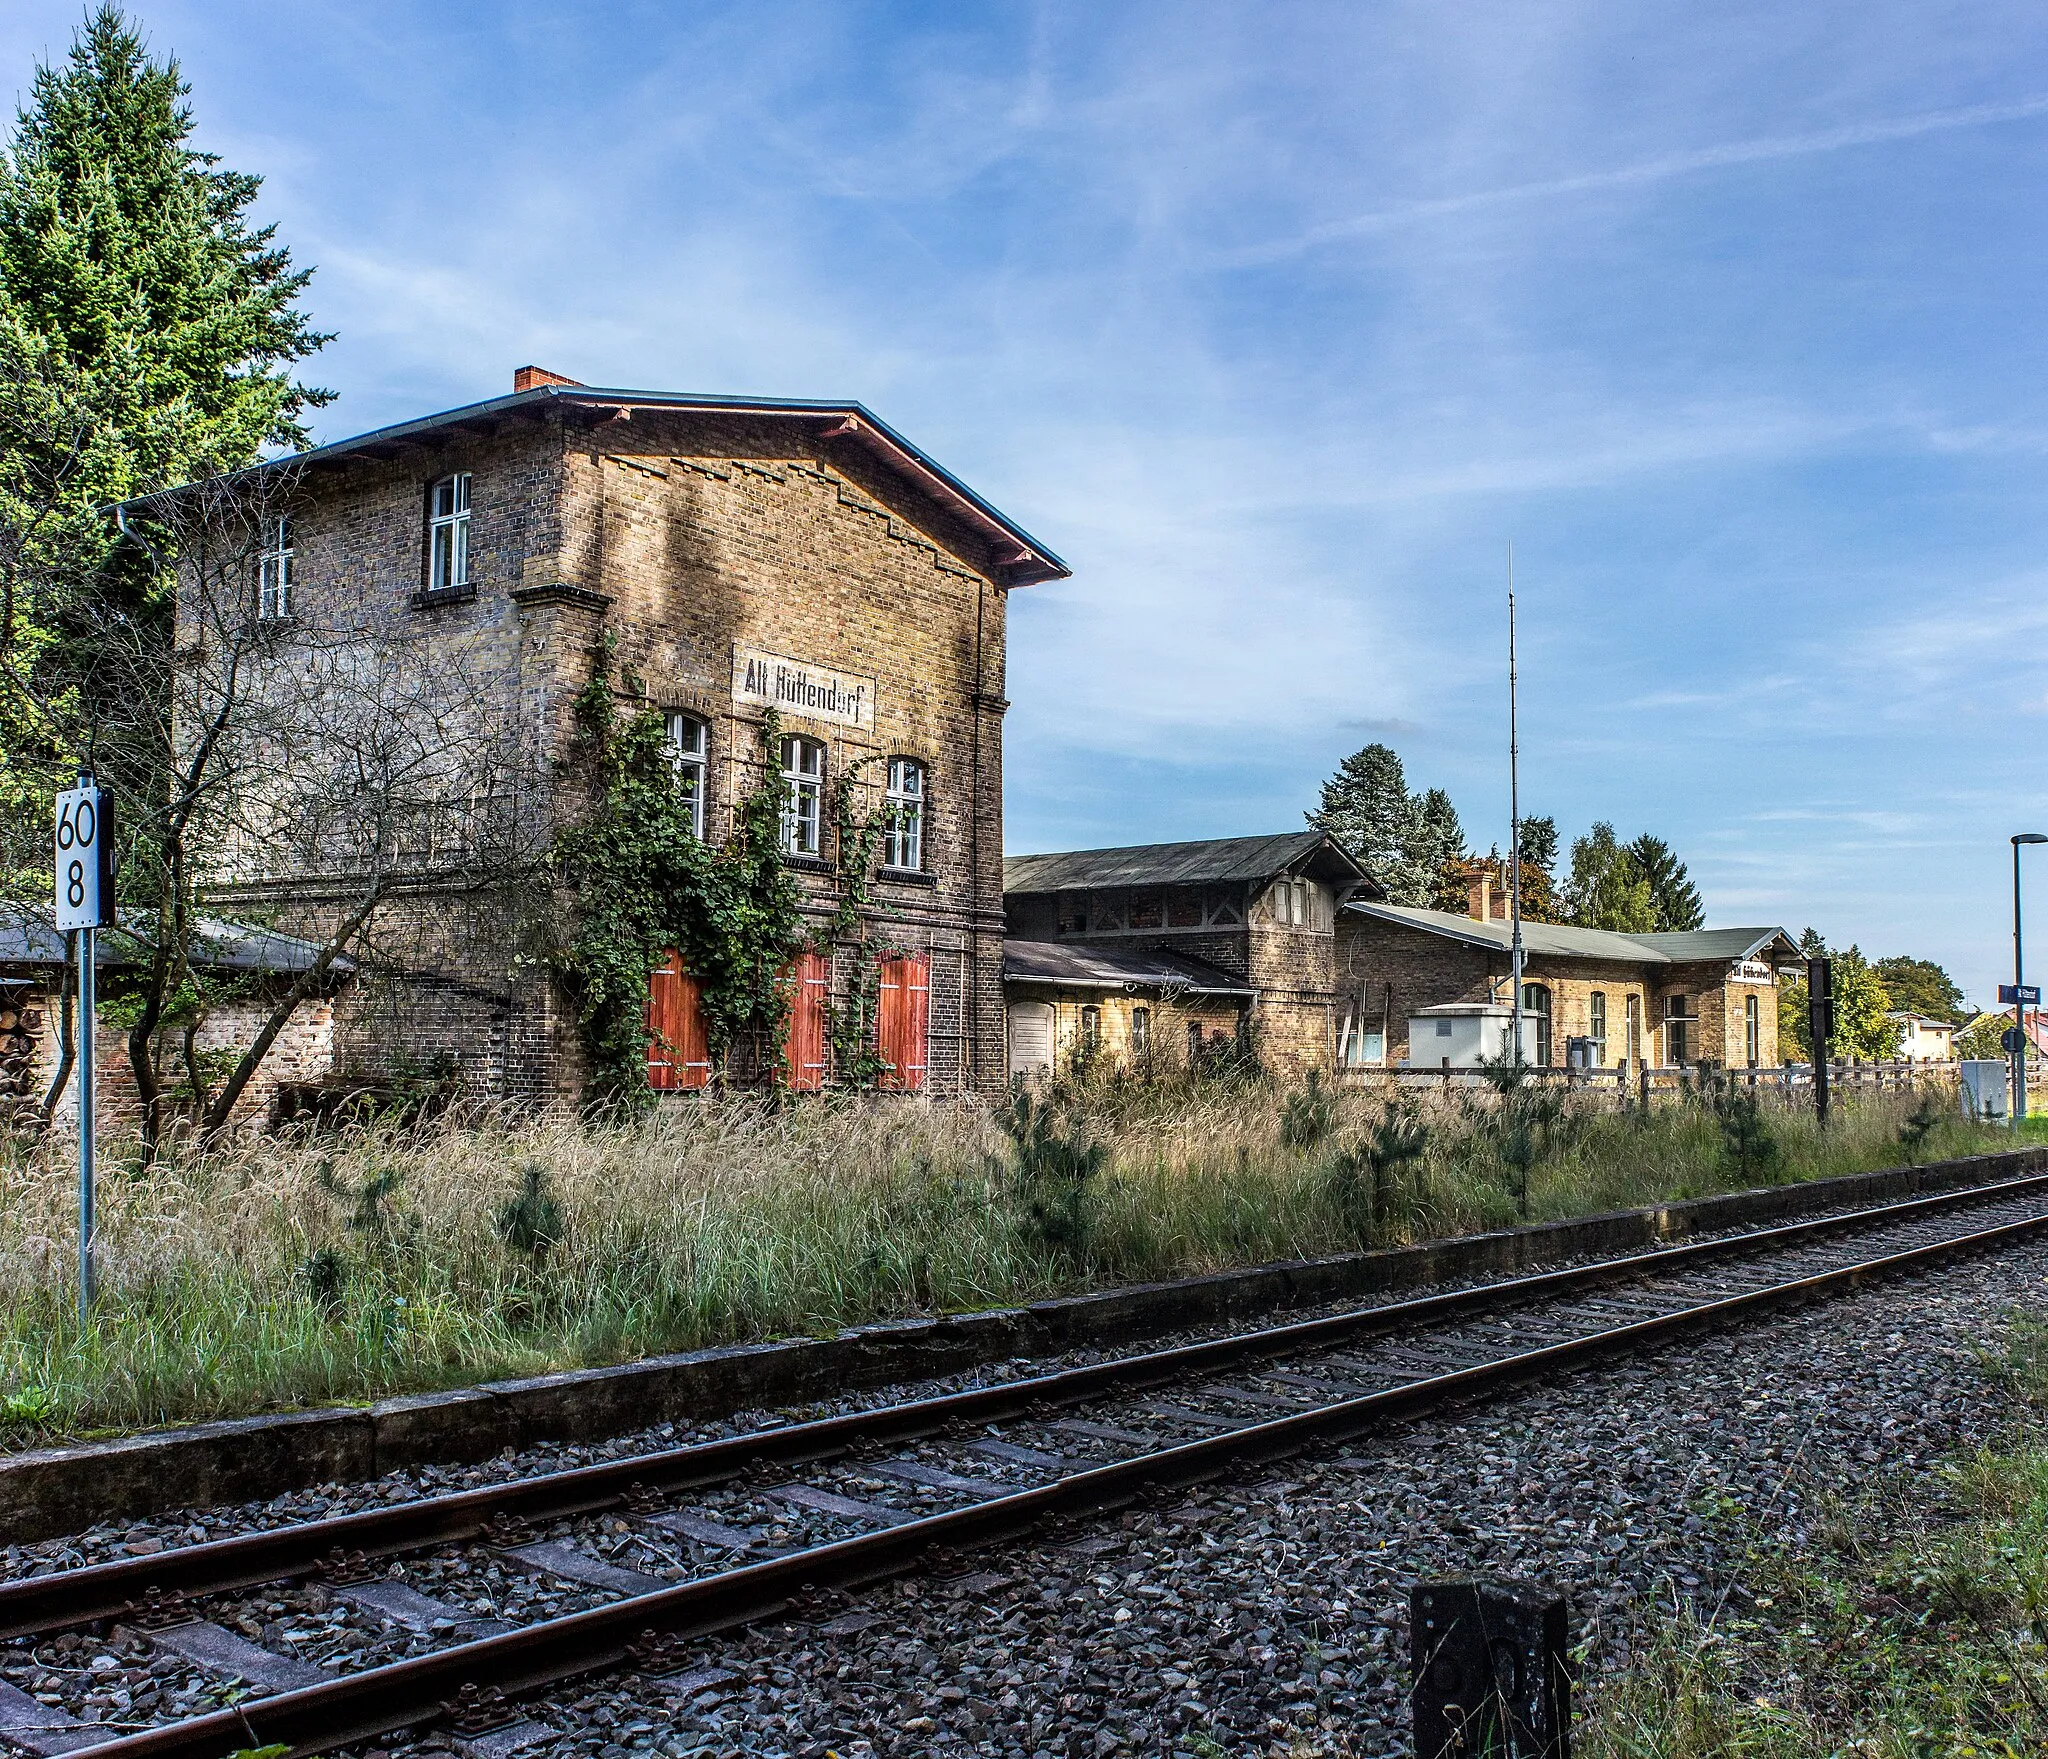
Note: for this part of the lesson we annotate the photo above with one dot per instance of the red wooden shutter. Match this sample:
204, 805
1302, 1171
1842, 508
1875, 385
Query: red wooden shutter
809, 1010
678, 1049
903, 1021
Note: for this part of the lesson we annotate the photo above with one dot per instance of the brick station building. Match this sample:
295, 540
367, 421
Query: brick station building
743, 555
1644, 1000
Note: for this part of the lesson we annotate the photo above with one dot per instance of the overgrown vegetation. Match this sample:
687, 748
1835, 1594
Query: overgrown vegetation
399, 1257
647, 884
1915, 1624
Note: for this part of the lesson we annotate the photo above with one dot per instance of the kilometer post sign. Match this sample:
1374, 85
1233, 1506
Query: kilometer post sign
85, 857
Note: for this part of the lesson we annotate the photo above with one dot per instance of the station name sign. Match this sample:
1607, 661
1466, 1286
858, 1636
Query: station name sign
1752, 971
794, 687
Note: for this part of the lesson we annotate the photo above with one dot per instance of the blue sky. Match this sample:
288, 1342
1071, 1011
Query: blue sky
1281, 322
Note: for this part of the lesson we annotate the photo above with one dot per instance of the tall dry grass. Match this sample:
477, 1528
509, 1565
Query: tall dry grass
281, 1273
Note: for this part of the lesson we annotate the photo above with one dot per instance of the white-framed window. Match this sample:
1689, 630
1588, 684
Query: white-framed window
1596, 1026
448, 533
803, 794
274, 570
1290, 902
903, 837
689, 742
1141, 1030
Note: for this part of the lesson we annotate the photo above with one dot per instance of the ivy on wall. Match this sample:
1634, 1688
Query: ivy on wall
645, 883
857, 1059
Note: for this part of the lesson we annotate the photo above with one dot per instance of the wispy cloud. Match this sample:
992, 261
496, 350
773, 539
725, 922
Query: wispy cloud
1644, 171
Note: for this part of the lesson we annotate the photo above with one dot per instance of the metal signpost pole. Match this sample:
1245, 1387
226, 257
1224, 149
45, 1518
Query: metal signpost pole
85, 902
87, 985
1515, 836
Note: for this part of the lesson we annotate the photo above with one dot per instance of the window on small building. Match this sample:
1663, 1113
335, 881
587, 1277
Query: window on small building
1194, 1041
1141, 1031
1633, 1046
1290, 903
903, 836
448, 533
689, 742
803, 794
274, 570
1091, 1027
1752, 1030
1677, 1042
1536, 1004
1596, 1026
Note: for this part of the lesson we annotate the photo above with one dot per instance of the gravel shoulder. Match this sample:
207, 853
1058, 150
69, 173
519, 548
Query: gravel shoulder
1269, 1618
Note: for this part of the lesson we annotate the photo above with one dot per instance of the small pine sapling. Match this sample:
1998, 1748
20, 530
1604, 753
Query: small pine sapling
1055, 1172
1917, 1126
530, 1221
1309, 1116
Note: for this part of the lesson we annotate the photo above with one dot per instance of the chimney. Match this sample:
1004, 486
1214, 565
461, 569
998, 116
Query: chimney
1479, 892
527, 378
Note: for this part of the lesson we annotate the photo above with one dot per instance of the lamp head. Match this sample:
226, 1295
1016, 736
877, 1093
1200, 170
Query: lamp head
2030, 837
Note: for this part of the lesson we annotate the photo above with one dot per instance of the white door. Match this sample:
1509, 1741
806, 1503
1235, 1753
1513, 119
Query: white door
1030, 1037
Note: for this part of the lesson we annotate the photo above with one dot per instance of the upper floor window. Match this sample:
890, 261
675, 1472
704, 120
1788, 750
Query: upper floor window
1291, 904
903, 838
803, 794
274, 569
690, 753
448, 533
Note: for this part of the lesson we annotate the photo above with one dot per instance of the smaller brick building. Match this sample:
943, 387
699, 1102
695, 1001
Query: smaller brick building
1261, 910
253, 966
1643, 1000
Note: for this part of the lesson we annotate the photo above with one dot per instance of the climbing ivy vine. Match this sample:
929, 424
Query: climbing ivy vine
645, 883
857, 1060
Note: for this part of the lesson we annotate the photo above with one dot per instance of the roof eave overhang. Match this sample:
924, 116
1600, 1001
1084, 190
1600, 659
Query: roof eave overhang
1016, 557
1128, 983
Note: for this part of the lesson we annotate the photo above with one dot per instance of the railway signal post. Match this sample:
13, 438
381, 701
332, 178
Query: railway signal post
85, 903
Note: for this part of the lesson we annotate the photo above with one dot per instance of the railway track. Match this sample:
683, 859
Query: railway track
443, 1610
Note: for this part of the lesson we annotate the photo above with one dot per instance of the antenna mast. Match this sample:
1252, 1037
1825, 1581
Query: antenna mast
1515, 831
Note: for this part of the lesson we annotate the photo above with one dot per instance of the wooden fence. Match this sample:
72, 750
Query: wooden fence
1643, 1085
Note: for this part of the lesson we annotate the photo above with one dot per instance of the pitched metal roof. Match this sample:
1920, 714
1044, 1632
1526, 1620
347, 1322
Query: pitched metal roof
26, 938
1560, 940
1021, 559
1214, 862
1096, 967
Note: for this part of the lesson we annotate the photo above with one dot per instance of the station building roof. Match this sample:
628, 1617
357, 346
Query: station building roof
1217, 861
1561, 940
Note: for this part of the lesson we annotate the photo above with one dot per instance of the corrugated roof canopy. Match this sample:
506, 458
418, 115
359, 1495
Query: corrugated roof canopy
26, 938
1559, 940
1218, 861
1097, 967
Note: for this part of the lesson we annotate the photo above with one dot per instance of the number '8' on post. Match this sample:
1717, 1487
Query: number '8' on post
85, 884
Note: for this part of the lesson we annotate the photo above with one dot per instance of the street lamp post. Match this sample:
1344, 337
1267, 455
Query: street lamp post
2019, 980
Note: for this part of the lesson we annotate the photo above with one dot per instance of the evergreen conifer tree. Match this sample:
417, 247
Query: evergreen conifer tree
1674, 900
147, 334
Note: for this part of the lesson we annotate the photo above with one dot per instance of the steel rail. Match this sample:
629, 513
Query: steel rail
412, 1691
37, 1604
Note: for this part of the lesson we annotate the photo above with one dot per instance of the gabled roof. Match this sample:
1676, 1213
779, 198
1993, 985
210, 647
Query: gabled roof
1218, 861
27, 939
1017, 557
1559, 940
1079, 967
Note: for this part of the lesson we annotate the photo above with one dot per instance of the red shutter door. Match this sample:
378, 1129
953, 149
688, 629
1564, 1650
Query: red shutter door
903, 1021
809, 1011
678, 1049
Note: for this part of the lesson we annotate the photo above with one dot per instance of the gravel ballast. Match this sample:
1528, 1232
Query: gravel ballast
1269, 1617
